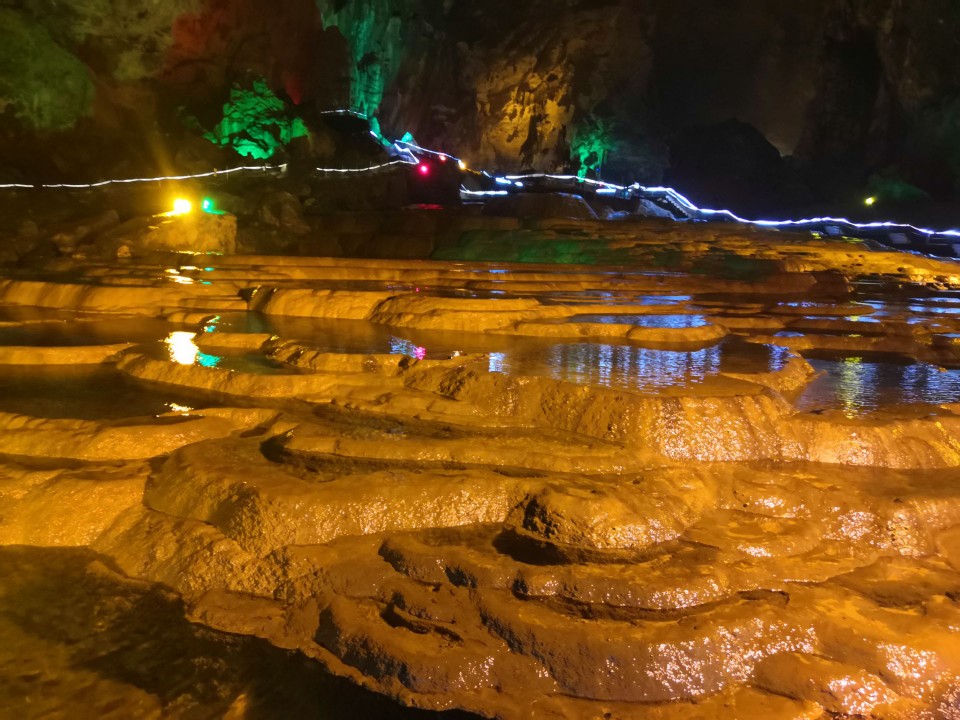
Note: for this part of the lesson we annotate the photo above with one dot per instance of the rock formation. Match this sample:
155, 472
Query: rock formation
496, 488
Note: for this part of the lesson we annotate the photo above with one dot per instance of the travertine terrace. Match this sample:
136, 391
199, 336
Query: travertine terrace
723, 486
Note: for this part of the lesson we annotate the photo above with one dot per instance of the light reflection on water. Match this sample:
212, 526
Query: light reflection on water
630, 367
399, 346
664, 322
614, 300
181, 347
848, 384
863, 384
184, 351
616, 364
620, 366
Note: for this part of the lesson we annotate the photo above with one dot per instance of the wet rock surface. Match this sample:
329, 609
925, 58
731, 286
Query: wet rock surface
723, 486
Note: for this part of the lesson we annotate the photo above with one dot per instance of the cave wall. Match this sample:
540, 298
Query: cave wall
888, 96
852, 88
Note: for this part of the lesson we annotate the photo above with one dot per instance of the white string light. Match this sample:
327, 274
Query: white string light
482, 193
685, 204
165, 178
407, 150
352, 113
426, 151
344, 171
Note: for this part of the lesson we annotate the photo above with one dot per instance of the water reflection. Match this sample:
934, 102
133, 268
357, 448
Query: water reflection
664, 322
862, 384
182, 350
624, 366
637, 368
178, 408
399, 346
617, 364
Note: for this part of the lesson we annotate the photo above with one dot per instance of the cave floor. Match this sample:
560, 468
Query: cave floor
264, 487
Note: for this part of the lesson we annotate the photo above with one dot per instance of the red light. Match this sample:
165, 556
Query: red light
443, 158
424, 169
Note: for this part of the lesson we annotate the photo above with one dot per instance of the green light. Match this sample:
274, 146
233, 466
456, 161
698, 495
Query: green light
209, 206
890, 187
590, 146
375, 129
375, 35
256, 123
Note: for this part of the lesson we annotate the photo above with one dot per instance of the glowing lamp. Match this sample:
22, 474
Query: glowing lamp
181, 206
423, 169
463, 165
870, 201
208, 205
443, 158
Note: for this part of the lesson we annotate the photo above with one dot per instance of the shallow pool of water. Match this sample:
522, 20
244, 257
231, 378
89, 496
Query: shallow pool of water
663, 322
69, 333
86, 393
858, 384
630, 367
618, 364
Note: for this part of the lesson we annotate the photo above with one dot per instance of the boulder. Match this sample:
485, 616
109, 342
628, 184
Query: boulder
68, 236
282, 210
193, 233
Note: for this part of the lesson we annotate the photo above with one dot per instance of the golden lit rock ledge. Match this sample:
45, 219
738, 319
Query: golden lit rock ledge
508, 490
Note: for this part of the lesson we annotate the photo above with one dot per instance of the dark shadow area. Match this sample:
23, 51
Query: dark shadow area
79, 641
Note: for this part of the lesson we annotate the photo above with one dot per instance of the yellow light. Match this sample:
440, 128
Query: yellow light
870, 201
181, 348
463, 165
181, 206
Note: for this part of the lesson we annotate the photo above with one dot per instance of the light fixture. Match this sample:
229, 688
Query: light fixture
181, 206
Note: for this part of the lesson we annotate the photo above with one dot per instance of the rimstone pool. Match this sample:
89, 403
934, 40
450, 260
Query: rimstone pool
293, 487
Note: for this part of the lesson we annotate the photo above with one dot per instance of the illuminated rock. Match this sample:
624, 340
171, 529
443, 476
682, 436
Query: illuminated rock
91, 441
80, 355
192, 232
67, 508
